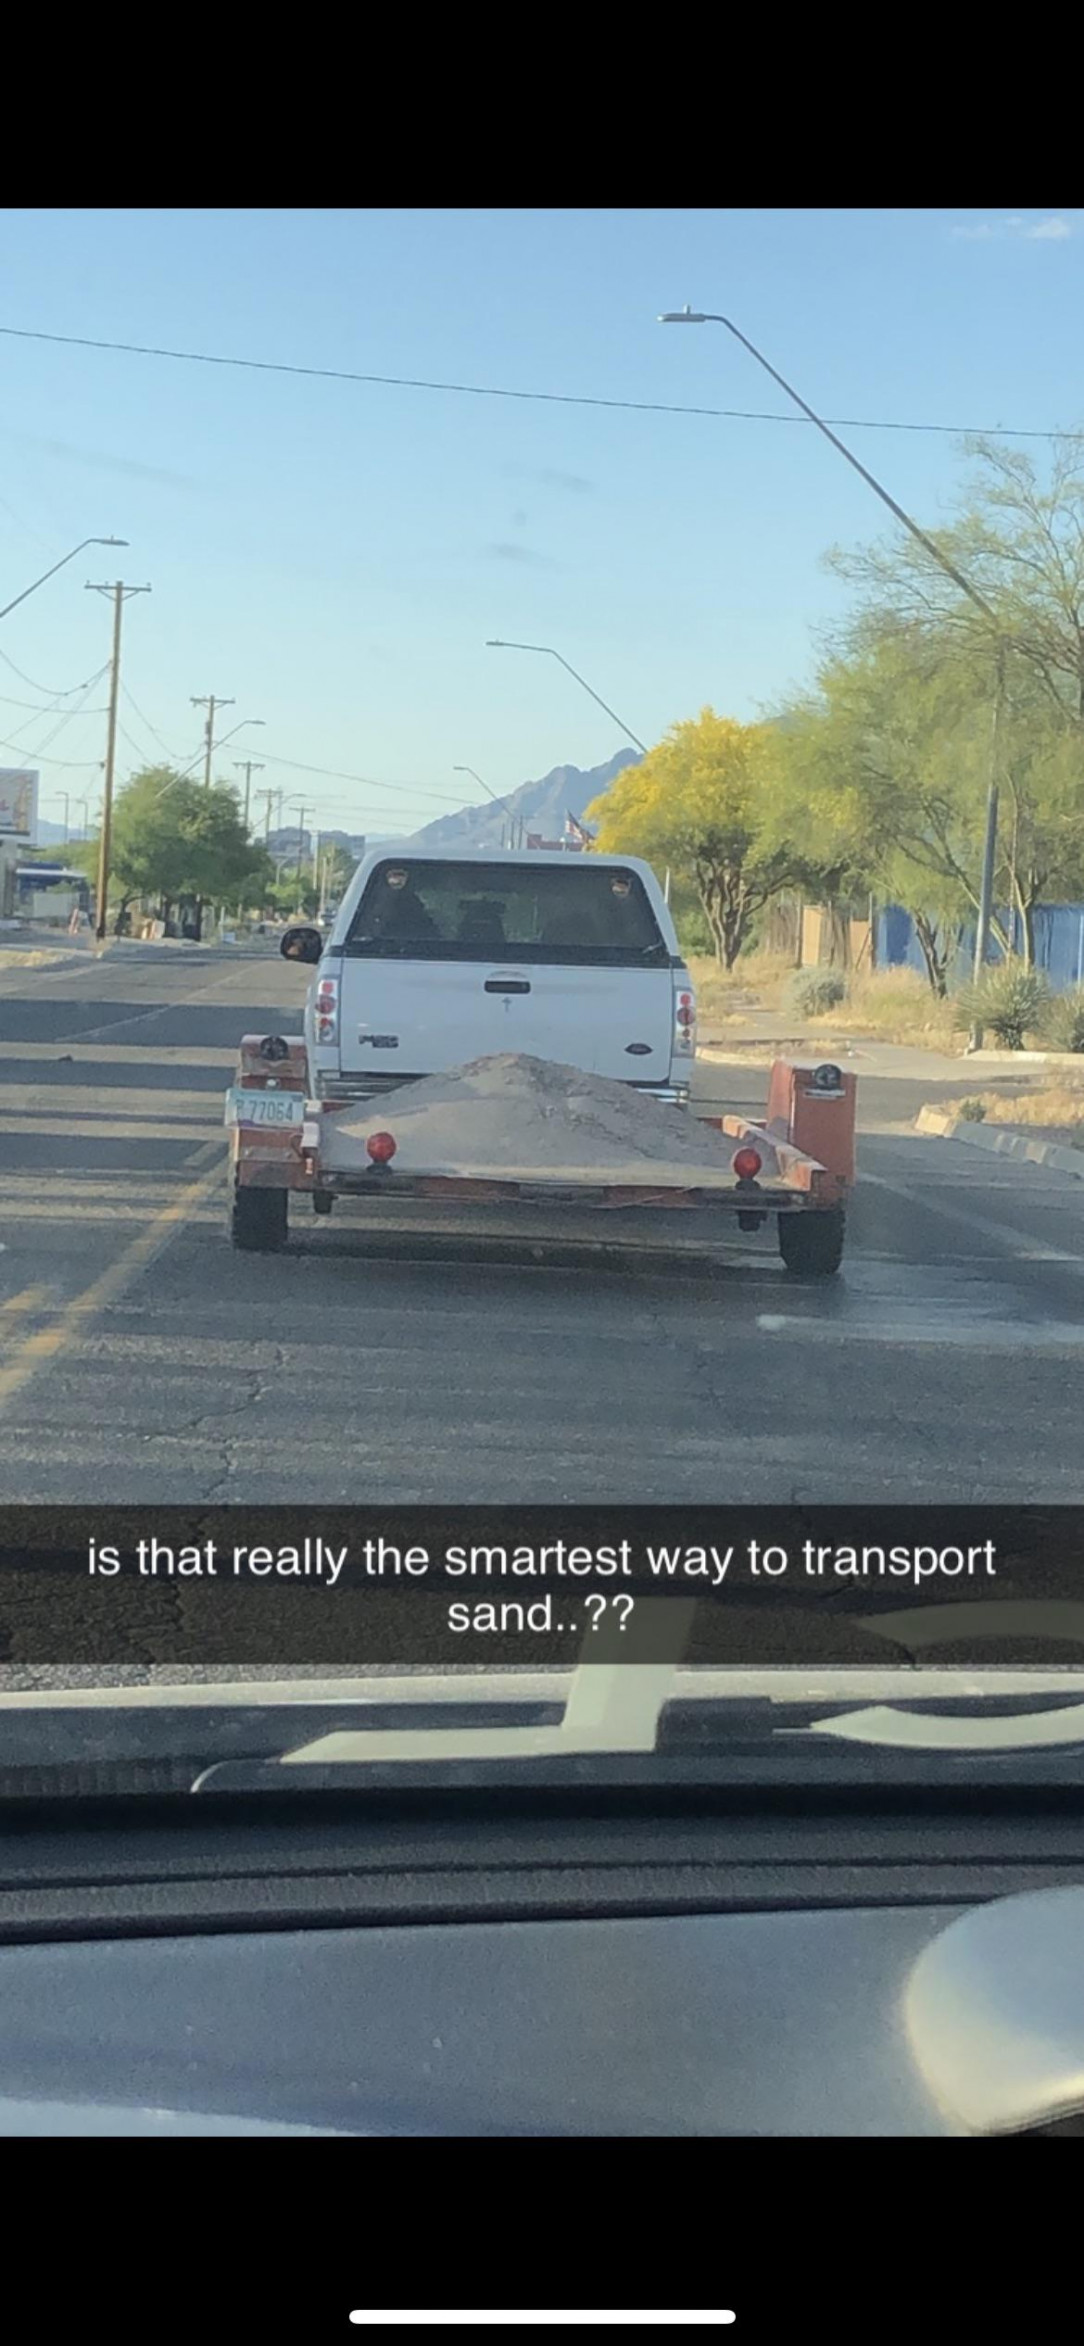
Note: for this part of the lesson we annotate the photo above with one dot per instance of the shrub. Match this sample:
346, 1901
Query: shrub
1009, 1000
971, 1111
811, 991
1065, 1023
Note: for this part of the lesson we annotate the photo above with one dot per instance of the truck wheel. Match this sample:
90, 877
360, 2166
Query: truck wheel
811, 1244
258, 1219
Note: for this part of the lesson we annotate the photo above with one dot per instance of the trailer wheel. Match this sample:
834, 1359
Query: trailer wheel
811, 1244
258, 1219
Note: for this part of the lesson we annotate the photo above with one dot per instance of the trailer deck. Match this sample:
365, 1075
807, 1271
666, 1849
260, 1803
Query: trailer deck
284, 1140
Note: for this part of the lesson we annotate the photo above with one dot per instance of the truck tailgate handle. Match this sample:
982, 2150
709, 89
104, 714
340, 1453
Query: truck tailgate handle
507, 986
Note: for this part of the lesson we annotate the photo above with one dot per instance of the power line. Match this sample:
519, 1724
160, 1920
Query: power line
38, 756
145, 721
44, 708
747, 415
65, 719
367, 782
69, 691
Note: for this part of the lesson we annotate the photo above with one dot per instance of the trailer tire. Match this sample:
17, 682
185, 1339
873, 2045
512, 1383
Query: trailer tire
811, 1244
259, 1219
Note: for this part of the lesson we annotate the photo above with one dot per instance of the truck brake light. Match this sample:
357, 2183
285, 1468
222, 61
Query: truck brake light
326, 1010
685, 1023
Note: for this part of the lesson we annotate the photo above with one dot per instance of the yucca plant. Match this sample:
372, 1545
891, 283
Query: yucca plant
1009, 1001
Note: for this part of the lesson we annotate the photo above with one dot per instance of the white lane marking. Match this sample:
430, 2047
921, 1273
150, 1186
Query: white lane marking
1058, 1336
1023, 1249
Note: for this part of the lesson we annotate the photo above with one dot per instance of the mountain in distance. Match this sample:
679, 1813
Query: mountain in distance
541, 806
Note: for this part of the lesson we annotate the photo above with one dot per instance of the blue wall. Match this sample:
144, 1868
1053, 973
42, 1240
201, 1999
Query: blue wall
1059, 944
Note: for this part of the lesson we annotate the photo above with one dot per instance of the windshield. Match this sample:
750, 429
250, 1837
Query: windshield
467, 912
627, 1253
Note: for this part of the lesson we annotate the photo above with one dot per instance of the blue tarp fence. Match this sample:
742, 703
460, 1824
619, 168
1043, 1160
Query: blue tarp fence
1059, 943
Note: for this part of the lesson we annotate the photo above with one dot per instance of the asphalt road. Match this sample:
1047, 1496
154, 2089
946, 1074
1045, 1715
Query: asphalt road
142, 1359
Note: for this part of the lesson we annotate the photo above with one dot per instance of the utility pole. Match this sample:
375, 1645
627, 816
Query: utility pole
210, 702
248, 767
302, 809
268, 797
118, 591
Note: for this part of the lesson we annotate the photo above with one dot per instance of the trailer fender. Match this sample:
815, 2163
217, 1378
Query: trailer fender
270, 1156
811, 1106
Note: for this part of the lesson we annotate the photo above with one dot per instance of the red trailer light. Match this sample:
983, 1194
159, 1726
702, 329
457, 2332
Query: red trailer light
382, 1147
747, 1164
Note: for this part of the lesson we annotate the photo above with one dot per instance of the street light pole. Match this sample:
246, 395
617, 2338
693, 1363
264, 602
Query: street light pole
496, 644
118, 591
481, 785
689, 317
46, 574
497, 801
210, 702
248, 767
303, 808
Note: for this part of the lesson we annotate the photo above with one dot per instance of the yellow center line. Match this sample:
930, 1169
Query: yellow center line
15, 1307
44, 1345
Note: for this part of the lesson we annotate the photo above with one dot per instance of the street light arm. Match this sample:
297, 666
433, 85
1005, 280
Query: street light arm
46, 574
715, 318
496, 644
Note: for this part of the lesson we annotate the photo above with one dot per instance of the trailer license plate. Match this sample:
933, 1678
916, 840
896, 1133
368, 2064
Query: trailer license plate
265, 1108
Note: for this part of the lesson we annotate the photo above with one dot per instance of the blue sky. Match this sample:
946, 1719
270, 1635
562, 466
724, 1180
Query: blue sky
334, 555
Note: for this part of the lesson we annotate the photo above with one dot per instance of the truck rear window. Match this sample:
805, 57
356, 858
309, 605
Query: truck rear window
587, 915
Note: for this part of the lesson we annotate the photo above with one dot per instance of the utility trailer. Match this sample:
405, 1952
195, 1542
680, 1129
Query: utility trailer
796, 1163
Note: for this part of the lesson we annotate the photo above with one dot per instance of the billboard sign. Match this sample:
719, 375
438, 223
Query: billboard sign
18, 803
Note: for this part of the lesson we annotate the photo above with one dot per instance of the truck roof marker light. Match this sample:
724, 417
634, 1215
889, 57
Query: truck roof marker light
747, 1164
381, 1147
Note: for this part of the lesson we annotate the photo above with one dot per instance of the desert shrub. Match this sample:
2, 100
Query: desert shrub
1065, 1021
813, 991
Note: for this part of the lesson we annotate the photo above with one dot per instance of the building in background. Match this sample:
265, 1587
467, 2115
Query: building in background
18, 829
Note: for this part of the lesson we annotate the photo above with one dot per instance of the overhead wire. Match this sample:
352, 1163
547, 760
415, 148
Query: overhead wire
270, 366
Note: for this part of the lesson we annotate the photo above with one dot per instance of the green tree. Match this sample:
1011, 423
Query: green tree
1018, 535
894, 756
701, 804
174, 842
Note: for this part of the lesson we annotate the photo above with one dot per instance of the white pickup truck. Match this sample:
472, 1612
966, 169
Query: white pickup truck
434, 960
526, 965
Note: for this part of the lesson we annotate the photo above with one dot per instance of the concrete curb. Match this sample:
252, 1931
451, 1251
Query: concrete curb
1013, 1059
999, 1142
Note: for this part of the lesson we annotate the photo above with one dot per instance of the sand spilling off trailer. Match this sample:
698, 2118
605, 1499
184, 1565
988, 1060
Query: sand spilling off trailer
515, 1118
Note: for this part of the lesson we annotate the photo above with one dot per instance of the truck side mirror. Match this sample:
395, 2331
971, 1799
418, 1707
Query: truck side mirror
302, 945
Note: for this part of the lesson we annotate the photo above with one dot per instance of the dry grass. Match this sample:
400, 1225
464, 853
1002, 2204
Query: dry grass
1056, 1110
756, 984
893, 1006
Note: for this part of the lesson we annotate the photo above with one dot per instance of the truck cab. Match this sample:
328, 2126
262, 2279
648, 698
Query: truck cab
435, 959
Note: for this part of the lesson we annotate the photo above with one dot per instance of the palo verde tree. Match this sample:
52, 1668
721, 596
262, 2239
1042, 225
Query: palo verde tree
700, 803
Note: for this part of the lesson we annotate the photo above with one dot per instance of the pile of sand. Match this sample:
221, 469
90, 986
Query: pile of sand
511, 1117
